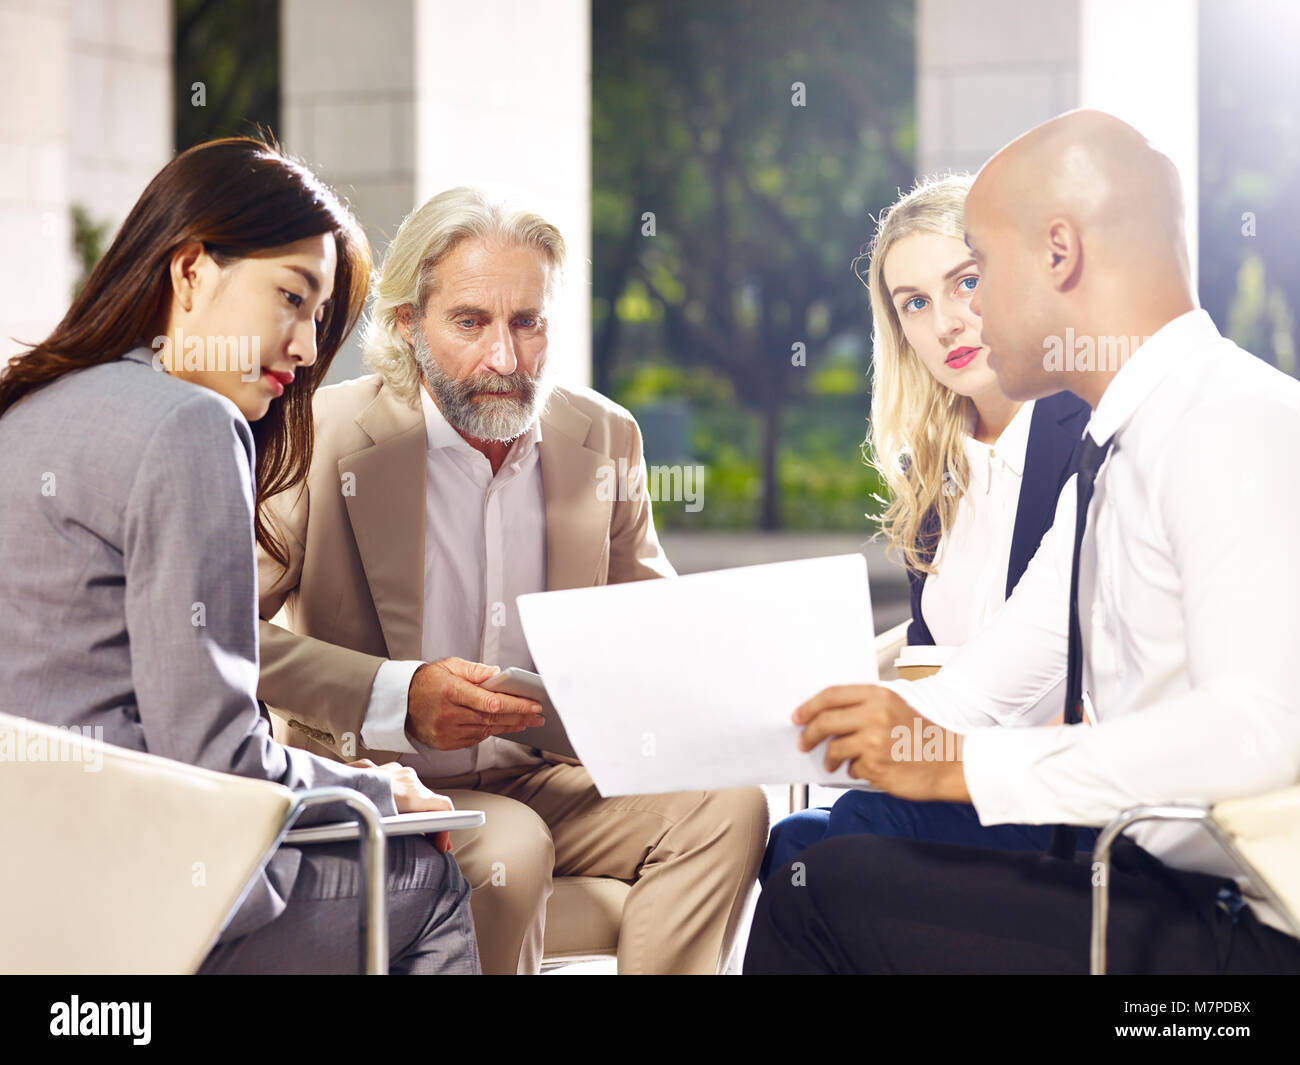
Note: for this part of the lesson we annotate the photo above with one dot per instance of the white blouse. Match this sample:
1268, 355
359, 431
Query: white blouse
972, 558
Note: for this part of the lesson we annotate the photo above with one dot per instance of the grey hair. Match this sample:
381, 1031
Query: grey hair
409, 273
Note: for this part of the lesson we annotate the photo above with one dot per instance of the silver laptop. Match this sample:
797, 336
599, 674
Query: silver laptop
398, 825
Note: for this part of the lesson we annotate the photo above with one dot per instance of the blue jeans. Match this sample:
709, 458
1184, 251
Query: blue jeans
877, 814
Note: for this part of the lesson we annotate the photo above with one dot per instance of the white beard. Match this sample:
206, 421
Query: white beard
469, 404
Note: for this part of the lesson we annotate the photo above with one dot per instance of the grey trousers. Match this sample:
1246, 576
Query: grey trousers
430, 926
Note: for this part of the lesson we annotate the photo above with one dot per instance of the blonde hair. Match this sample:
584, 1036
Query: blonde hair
410, 271
917, 424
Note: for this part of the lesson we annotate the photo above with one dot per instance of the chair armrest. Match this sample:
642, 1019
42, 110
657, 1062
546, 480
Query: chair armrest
149, 852
1258, 832
888, 645
400, 825
374, 867
140, 823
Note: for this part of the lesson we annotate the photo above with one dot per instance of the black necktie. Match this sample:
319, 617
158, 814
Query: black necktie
1091, 456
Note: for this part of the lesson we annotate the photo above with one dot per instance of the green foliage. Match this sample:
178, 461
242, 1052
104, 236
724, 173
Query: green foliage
657, 381
89, 239
825, 484
761, 135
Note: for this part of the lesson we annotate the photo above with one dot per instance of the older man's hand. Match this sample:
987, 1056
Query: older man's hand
446, 708
884, 741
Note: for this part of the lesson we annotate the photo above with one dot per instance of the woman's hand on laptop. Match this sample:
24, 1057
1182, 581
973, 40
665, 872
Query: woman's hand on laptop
411, 796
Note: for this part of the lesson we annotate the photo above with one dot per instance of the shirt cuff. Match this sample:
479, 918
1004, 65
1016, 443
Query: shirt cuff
384, 727
926, 697
1009, 775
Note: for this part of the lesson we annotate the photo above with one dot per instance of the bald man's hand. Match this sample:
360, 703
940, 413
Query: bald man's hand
885, 742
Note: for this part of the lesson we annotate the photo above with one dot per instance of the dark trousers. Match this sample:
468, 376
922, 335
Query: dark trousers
882, 814
430, 927
864, 904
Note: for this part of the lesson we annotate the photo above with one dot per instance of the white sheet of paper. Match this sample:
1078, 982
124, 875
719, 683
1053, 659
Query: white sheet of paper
689, 683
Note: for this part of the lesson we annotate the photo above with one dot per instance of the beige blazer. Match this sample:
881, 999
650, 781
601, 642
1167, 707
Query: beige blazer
353, 593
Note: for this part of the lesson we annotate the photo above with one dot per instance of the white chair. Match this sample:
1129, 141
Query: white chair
121, 862
583, 915
583, 918
1261, 833
888, 645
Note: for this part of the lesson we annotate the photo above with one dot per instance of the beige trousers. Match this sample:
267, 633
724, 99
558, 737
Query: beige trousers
693, 857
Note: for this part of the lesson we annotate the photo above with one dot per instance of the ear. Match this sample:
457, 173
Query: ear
1065, 251
185, 273
404, 316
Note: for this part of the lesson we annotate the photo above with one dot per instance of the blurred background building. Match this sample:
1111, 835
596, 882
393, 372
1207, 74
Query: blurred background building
715, 165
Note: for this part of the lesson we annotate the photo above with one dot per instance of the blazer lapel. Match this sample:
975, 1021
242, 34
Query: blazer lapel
1054, 435
386, 511
577, 515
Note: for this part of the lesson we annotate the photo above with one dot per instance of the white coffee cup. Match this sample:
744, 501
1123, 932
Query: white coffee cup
922, 660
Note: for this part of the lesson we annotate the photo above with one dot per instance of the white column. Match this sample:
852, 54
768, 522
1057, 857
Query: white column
987, 70
504, 102
347, 99
1138, 60
120, 127
393, 101
36, 265
86, 120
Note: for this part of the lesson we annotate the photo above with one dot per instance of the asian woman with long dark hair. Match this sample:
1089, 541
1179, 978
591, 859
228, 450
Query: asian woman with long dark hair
136, 442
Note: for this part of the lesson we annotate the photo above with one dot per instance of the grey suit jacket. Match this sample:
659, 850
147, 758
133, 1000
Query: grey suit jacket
128, 589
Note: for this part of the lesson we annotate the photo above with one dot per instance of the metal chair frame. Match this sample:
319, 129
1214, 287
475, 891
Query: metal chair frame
1201, 815
374, 867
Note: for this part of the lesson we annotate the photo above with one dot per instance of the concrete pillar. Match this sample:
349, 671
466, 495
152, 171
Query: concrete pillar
1138, 60
987, 70
120, 126
36, 265
395, 100
512, 113
87, 121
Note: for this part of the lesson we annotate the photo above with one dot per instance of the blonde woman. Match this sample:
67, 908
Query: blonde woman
974, 479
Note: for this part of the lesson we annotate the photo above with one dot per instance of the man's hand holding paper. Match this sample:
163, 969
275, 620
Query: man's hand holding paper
883, 740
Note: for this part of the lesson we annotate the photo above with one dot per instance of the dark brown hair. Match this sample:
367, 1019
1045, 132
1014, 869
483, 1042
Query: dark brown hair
237, 195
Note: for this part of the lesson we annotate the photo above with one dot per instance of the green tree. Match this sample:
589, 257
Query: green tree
757, 138
231, 48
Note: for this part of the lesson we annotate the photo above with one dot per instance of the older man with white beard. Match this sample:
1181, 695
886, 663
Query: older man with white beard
442, 486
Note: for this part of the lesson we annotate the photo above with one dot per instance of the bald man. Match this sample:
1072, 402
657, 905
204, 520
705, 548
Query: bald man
1170, 610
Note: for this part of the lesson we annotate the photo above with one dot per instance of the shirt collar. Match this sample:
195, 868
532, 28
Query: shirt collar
1011, 445
141, 354
1152, 361
439, 433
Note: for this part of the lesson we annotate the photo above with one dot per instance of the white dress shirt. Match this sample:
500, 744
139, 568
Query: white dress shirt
484, 544
973, 557
1189, 598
